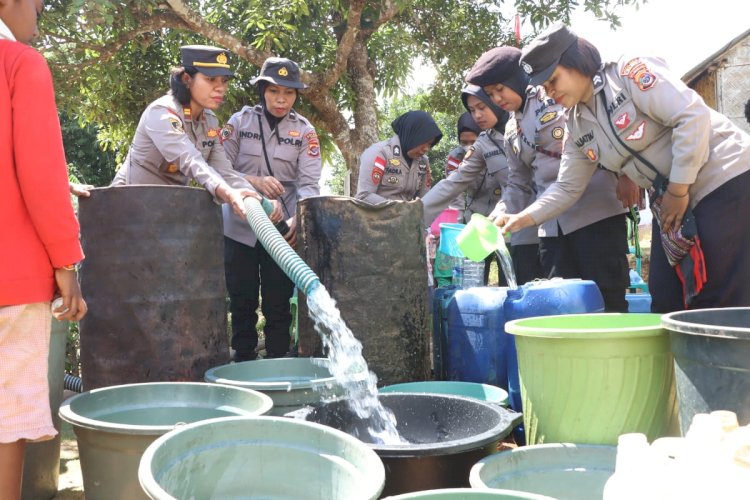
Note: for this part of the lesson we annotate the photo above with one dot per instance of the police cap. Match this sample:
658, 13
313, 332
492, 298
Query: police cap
499, 65
540, 58
280, 71
211, 61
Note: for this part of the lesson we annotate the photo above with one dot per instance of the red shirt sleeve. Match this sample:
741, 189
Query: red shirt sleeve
41, 168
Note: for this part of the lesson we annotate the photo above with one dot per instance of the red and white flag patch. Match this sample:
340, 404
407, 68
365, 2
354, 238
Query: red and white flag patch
378, 169
453, 164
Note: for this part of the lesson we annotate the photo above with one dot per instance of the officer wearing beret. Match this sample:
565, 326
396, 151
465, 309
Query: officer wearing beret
398, 168
633, 116
177, 138
278, 151
587, 241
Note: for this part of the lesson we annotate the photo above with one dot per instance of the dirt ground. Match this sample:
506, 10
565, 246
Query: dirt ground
70, 485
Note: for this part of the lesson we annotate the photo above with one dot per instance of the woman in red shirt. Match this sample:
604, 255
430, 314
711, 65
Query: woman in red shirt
40, 243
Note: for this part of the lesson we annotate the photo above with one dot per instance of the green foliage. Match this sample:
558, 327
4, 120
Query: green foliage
110, 58
87, 162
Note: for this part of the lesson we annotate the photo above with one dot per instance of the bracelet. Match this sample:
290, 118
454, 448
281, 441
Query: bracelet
677, 195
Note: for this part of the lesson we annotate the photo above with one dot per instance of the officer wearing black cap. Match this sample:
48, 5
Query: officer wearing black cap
634, 117
177, 138
588, 241
278, 151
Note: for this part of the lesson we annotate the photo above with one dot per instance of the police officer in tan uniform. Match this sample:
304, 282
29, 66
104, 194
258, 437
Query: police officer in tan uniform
484, 170
278, 151
588, 241
177, 138
398, 168
634, 117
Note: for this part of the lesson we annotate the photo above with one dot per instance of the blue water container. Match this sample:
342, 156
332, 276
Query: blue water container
546, 298
474, 339
638, 302
440, 298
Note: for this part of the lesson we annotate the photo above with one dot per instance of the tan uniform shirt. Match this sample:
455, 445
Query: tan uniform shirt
483, 173
293, 149
384, 174
658, 116
535, 134
170, 148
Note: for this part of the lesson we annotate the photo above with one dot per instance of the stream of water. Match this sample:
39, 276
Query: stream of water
350, 369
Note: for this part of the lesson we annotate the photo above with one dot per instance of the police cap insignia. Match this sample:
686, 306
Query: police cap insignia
527, 68
211, 61
283, 71
498, 191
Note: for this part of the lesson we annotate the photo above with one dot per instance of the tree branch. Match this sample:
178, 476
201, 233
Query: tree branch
195, 22
345, 44
390, 10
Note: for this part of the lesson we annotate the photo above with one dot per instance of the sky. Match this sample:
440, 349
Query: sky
682, 32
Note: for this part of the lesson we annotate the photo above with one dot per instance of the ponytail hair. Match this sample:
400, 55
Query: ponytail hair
177, 87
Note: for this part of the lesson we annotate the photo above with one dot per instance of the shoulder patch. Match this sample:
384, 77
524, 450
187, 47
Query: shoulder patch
226, 132
378, 168
176, 125
636, 70
313, 144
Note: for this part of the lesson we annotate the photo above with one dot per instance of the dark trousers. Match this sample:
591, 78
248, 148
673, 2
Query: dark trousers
597, 252
250, 270
724, 232
526, 264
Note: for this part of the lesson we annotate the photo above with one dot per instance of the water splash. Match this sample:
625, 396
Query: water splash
350, 369
506, 262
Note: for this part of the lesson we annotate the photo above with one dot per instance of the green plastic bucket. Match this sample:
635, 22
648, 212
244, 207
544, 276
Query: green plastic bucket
561, 471
290, 382
260, 457
114, 426
479, 238
483, 392
587, 378
469, 494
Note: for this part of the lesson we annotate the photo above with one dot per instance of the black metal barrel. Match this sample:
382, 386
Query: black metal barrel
153, 279
372, 261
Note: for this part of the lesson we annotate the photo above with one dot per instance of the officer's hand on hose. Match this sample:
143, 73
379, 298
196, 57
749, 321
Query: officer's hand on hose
628, 192
73, 307
277, 214
291, 235
516, 222
80, 190
235, 196
268, 186
674, 203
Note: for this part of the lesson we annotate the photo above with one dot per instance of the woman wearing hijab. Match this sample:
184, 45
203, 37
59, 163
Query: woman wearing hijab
633, 116
483, 173
398, 168
177, 138
277, 150
589, 240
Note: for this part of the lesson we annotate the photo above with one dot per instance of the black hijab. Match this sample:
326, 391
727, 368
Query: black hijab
272, 120
476, 91
414, 128
467, 123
